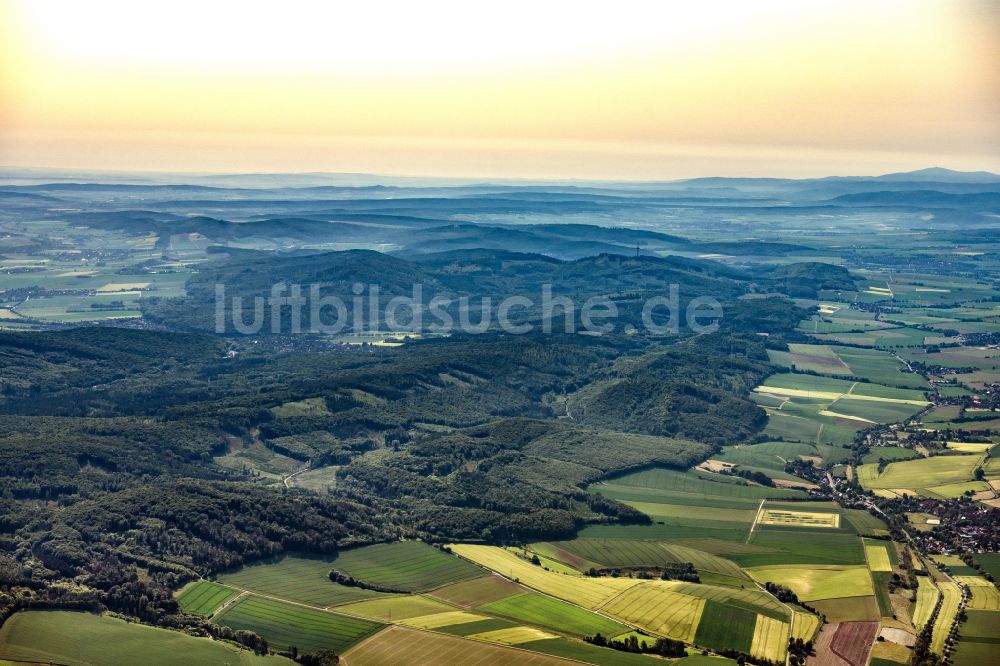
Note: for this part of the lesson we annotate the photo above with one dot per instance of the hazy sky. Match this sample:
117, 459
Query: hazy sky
623, 89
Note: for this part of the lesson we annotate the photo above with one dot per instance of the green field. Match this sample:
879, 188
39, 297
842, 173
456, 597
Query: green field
405, 565
828, 387
395, 608
203, 597
299, 578
813, 582
83, 639
865, 523
890, 453
801, 546
814, 409
980, 637
990, 562
478, 591
285, 625
725, 626
926, 476
875, 366
683, 505
543, 611
636, 553
570, 649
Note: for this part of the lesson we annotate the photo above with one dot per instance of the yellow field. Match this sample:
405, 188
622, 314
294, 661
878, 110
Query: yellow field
785, 517
399, 645
584, 591
927, 596
8, 314
833, 395
121, 286
970, 447
770, 639
838, 415
436, 620
805, 626
878, 557
946, 616
654, 607
984, 595
813, 582
513, 636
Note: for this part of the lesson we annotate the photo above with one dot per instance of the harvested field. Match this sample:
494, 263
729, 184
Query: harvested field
853, 641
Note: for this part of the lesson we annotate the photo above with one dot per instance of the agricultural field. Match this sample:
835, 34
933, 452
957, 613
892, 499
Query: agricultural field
405, 565
878, 556
398, 644
865, 523
793, 518
946, 615
76, 638
664, 608
985, 596
478, 591
822, 410
544, 611
723, 626
204, 597
778, 546
285, 625
582, 652
815, 582
513, 635
927, 596
609, 553
872, 365
990, 562
448, 618
954, 565
938, 476
980, 636
853, 641
297, 578
828, 388
657, 609
770, 639
769, 458
685, 505
395, 608
583, 591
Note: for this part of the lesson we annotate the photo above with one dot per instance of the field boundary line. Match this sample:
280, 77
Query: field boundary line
756, 518
229, 602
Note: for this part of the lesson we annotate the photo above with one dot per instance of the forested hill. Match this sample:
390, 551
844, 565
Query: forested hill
472, 274
111, 474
